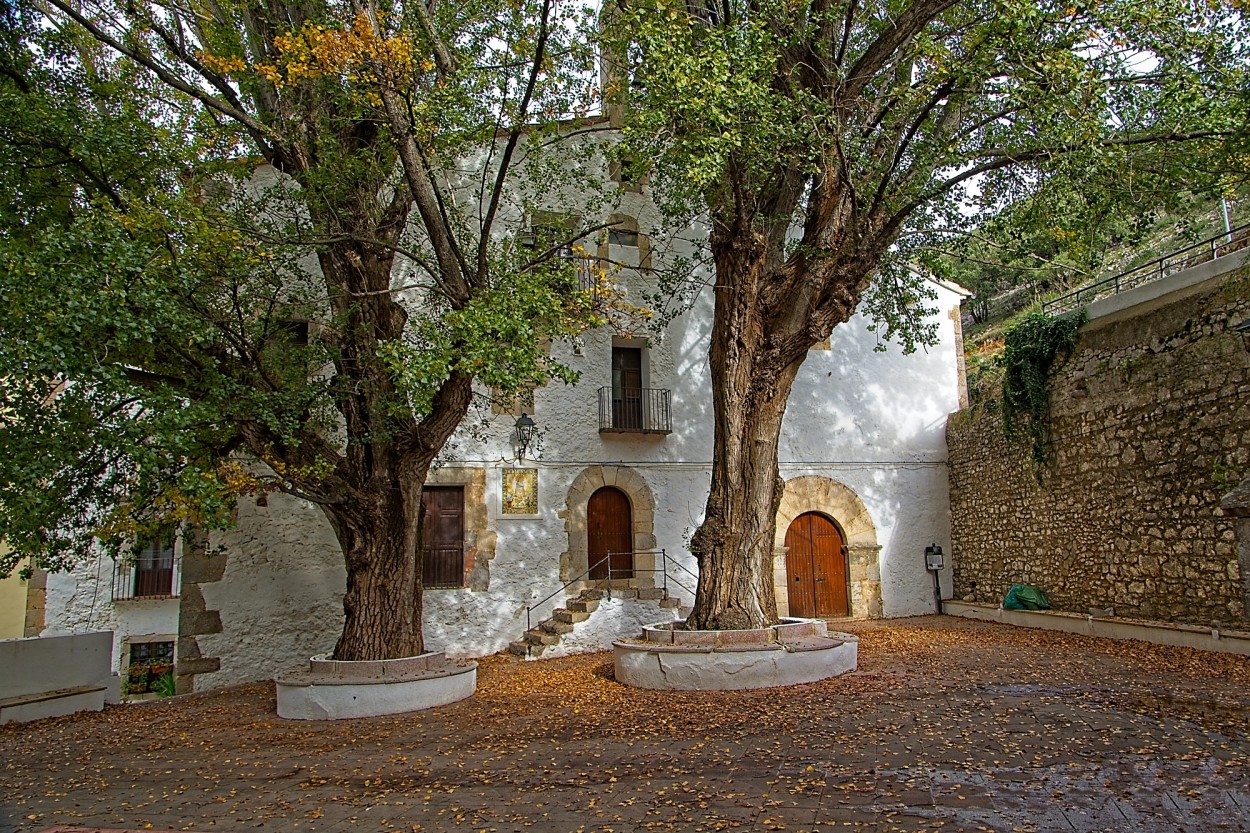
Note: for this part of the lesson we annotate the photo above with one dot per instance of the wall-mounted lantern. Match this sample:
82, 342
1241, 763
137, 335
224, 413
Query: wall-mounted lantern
525, 426
934, 561
1243, 330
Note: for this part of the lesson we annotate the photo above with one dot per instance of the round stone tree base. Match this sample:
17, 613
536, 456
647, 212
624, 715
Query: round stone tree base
792, 652
332, 690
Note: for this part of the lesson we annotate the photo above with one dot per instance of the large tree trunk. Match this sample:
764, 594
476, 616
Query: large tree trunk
381, 541
750, 389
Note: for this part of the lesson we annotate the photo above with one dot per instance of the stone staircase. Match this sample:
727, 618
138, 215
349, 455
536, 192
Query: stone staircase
577, 609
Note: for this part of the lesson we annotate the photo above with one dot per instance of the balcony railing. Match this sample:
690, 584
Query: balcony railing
635, 411
132, 581
590, 275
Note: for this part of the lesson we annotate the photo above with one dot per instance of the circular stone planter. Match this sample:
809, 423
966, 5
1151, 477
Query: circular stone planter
792, 652
332, 689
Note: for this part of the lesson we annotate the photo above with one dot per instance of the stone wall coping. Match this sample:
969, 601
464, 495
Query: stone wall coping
818, 643
313, 678
761, 639
1154, 293
1111, 627
658, 648
366, 669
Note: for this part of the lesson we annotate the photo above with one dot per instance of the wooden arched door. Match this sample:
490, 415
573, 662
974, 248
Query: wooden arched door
816, 573
610, 533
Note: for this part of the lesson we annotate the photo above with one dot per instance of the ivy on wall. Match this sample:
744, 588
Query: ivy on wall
1032, 346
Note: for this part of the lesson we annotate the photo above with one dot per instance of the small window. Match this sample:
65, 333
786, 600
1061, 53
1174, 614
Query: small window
622, 237
296, 331
628, 173
150, 669
515, 405
154, 568
551, 230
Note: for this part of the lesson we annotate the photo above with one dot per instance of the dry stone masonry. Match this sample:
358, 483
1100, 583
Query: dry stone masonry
1150, 429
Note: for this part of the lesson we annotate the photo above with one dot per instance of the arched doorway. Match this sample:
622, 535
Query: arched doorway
610, 534
816, 568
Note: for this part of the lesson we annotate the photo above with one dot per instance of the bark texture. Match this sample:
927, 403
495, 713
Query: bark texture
771, 308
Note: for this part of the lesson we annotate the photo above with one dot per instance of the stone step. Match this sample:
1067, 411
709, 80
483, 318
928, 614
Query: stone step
569, 616
557, 627
670, 602
652, 593
519, 649
593, 593
538, 636
579, 605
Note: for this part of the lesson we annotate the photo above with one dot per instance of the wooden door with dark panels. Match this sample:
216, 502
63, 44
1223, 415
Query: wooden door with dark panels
442, 536
627, 388
816, 569
610, 534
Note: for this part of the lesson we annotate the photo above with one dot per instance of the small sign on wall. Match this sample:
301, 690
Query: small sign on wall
520, 492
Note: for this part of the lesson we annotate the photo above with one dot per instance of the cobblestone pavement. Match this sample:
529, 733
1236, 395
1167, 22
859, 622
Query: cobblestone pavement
949, 725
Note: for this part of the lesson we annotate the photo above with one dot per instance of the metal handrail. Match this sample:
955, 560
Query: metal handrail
665, 560
1204, 251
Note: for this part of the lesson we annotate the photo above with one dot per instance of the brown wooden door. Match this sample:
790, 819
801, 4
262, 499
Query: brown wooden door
627, 388
610, 531
442, 536
816, 573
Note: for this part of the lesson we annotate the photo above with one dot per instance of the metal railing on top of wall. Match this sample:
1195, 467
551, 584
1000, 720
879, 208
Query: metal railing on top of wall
1170, 264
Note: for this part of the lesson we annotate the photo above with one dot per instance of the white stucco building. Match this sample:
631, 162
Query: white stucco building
620, 464
627, 448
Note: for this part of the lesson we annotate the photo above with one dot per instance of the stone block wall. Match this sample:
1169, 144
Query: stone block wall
1150, 428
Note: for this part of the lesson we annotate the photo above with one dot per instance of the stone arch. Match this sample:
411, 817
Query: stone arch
574, 561
625, 222
813, 493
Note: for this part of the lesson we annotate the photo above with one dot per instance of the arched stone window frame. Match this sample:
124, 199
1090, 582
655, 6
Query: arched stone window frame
624, 222
839, 503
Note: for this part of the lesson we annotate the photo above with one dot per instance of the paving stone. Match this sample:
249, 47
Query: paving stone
947, 726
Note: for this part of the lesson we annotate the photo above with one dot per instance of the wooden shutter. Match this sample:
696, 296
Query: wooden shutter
442, 536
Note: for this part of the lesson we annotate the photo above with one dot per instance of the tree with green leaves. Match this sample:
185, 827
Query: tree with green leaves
254, 245
829, 141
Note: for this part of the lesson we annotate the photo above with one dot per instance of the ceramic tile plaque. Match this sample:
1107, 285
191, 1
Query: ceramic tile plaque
520, 492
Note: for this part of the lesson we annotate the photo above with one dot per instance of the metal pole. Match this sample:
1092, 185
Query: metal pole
937, 592
664, 566
1228, 229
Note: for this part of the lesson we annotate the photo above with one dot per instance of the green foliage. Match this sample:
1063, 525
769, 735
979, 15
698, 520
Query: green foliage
164, 685
881, 142
1032, 346
1226, 475
184, 197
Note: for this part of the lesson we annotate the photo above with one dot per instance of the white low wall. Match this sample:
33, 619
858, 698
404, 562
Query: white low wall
48, 676
1160, 633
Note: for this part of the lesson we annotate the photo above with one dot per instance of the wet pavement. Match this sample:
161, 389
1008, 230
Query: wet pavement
949, 725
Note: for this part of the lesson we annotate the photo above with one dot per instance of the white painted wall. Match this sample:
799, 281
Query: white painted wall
81, 601
870, 420
281, 597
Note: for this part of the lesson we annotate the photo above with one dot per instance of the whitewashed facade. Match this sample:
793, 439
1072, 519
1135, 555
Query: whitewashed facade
863, 446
